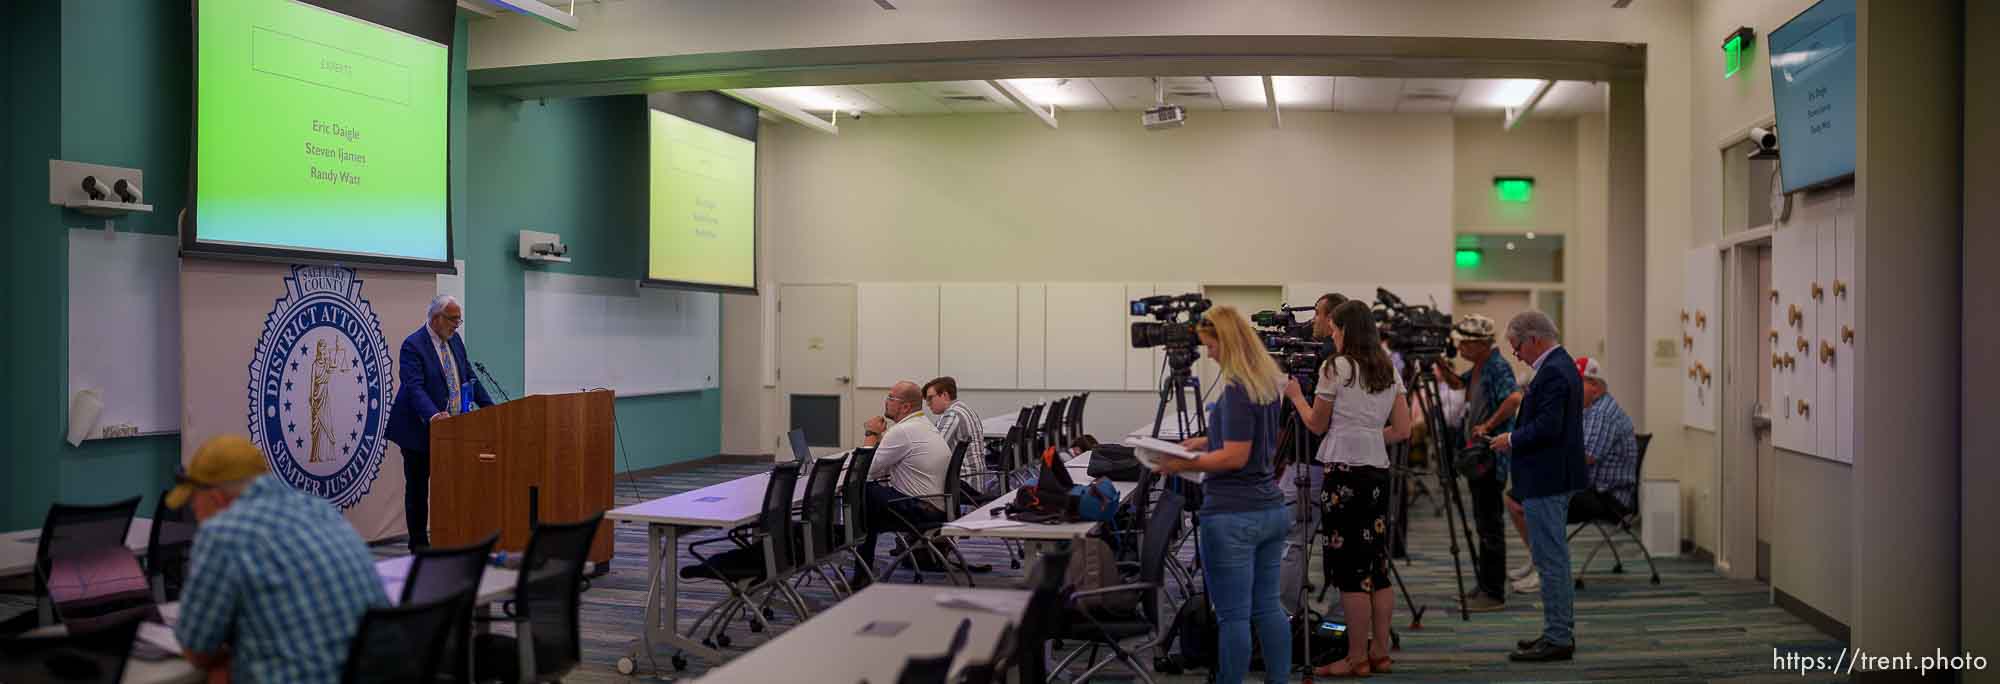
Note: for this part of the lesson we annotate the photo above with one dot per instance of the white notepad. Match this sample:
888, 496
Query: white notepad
1149, 451
990, 524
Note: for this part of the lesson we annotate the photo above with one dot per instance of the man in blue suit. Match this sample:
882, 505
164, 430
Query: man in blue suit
1547, 447
433, 381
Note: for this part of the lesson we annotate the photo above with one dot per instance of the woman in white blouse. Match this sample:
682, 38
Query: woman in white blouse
1357, 394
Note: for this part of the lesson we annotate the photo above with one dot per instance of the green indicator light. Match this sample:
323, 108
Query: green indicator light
1514, 189
1468, 258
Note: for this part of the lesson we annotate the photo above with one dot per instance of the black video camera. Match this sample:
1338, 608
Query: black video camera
1174, 318
1413, 330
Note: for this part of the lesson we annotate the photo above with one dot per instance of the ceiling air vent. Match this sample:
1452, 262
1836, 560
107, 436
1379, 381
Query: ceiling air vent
967, 98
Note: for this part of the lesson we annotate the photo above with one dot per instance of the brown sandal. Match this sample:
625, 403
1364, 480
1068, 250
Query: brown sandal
1354, 671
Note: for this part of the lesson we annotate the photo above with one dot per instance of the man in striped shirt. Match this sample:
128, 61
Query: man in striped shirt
957, 423
277, 581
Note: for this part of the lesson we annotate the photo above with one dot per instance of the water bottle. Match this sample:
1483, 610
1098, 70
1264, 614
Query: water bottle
465, 402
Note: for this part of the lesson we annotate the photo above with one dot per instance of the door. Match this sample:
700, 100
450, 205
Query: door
815, 366
1767, 468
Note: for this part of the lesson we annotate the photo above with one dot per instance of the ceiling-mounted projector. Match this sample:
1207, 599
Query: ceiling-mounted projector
1163, 117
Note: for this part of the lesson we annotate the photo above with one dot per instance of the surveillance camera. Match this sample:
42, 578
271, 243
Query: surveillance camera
549, 249
127, 190
1765, 139
95, 188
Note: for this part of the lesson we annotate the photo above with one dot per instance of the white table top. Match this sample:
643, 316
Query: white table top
495, 584
17, 549
1169, 432
828, 647
725, 505
997, 426
1033, 531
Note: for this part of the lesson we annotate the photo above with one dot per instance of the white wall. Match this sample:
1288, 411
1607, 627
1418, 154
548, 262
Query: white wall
997, 198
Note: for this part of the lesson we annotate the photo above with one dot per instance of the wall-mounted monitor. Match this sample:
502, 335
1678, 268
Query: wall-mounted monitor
1812, 86
321, 131
702, 201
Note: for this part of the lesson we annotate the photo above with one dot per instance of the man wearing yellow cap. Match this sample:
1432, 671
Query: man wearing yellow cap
276, 573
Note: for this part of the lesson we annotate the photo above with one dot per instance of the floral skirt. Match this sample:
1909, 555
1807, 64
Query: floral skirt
1354, 505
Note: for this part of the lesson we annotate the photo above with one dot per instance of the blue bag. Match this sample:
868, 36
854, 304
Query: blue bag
1096, 501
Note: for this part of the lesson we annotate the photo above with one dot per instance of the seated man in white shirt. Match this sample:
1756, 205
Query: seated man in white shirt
911, 454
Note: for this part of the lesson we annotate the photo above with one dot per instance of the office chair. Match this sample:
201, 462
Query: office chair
759, 562
1628, 523
936, 669
1113, 630
440, 573
404, 643
819, 520
167, 549
548, 638
91, 656
82, 543
927, 535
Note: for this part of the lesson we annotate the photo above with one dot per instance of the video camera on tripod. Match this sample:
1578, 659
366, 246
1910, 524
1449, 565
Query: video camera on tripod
1291, 342
1413, 329
1174, 318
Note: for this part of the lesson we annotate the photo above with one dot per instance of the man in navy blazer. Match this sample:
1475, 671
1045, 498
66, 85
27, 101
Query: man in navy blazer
433, 381
1547, 448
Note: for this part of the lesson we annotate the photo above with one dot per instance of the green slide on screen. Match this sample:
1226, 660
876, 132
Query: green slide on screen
703, 217
318, 131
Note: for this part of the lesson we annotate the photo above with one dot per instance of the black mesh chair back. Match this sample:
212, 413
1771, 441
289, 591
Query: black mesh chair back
436, 574
167, 549
775, 520
854, 493
86, 535
936, 669
404, 643
1052, 424
953, 471
1644, 439
1031, 435
822, 504
1042, 618
550, 591
1155, 544
1074, 416
97, 655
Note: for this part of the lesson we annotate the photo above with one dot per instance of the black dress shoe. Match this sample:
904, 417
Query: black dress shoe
1526, 644
1543, 652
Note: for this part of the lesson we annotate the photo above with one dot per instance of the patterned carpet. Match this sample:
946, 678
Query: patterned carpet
1694, 626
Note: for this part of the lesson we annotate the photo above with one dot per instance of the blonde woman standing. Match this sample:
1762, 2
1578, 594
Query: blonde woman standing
1243, 515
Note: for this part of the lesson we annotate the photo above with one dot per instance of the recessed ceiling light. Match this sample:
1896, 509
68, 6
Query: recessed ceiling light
1510, 246
1531, 235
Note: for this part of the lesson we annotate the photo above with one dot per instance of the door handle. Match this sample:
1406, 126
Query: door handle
843, 379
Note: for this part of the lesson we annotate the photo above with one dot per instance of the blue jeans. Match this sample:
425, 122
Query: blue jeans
1550, 550
1240, 554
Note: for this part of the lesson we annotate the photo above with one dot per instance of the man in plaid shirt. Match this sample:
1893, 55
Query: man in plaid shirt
957, 423
1610, 449
277, 581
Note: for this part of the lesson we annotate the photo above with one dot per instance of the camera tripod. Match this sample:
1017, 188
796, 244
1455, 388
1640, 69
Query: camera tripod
1179, 381
1442, 443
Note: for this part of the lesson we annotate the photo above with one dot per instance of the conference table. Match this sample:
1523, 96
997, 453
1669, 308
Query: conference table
868, 636
495, 584
995, 427
976, 524
17, 549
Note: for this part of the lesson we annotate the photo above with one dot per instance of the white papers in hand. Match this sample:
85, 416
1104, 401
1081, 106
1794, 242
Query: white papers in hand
1149, 451
159, 636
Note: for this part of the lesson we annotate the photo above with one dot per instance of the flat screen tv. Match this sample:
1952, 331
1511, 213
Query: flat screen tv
1812, 86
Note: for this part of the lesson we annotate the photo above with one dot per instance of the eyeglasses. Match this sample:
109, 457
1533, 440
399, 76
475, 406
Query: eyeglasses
455, 320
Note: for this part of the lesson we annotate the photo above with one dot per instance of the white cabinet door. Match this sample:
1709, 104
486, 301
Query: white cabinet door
1846, 362
1825, 330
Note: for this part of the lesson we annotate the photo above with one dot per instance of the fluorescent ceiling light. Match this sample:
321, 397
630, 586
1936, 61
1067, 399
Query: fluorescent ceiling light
1515, 92
1054, 92
1293, 90
809, 98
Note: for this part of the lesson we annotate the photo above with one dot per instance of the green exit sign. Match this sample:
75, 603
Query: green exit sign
1517, 189
1732, 50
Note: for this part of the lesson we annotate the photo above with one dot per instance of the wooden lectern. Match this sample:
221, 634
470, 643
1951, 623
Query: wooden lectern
540, 457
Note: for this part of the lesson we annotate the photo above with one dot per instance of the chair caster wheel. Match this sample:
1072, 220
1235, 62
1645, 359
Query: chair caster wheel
627, 666
1656, 580
756, 627
710, 643
1579, 583
680, 663
770, 614
722, 641
1618, 569
1015, 564
920, 579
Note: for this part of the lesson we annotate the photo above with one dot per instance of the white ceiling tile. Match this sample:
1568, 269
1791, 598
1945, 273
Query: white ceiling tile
1125, 94
819, 99
1194, 93
1355, 94
1574, 97
1240, 93
903, 98
1310, 93
968, 97
1429, 95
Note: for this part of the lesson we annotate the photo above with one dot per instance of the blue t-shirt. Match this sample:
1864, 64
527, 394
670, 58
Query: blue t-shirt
1252, 488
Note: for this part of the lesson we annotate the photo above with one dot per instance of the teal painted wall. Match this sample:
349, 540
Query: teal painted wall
576, 168
113, 86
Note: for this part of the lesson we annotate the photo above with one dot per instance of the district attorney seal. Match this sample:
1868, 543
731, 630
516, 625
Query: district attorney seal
319, 385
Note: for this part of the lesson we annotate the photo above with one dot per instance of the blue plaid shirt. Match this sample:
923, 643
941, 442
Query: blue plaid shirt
1607, 437
1496, 380
283, 579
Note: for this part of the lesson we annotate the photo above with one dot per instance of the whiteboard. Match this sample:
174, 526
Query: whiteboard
978, 334
896, 333
587, 332
125, 327
1086, 336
